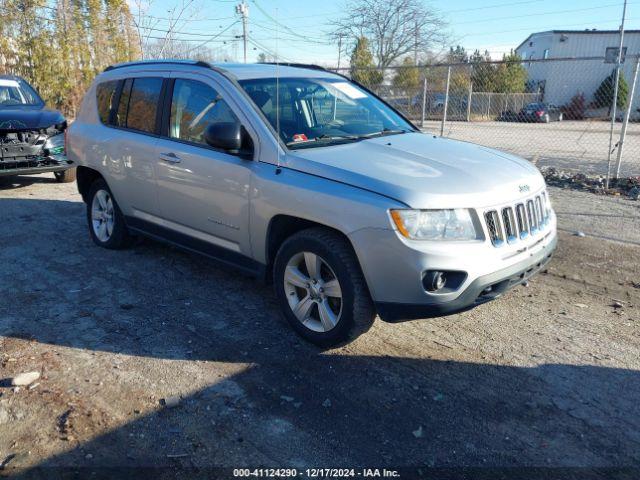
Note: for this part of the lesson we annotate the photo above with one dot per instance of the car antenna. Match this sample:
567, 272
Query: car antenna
278, 169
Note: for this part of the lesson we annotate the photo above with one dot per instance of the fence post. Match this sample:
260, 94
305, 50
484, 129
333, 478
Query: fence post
625, 122
446, 103
424, 101
469, 100
489, 106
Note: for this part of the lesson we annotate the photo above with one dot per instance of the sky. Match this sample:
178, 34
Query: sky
301, 27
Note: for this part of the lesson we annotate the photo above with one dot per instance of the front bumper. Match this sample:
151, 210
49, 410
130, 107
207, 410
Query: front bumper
394, 269
481, 290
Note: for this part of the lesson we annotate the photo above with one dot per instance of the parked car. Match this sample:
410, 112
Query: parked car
31, 135
540, 112
311, 181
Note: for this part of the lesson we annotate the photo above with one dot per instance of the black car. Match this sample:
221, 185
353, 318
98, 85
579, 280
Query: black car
540, 112
31, 135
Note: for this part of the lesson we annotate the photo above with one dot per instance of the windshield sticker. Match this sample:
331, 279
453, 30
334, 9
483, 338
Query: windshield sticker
349, 90
300, 137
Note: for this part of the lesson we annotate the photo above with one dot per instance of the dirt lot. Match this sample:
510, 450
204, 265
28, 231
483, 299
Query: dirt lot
580, 146
547, 376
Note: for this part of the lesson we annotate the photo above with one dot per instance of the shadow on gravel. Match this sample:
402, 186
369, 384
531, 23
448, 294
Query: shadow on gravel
293, 405
20, 181
392, 412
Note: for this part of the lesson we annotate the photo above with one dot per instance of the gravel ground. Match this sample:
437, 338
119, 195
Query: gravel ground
579, 146
547, 376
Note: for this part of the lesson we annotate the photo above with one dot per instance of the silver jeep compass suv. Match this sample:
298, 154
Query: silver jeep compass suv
297, 174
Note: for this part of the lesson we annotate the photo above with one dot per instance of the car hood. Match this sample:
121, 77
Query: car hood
28, 118
424, 171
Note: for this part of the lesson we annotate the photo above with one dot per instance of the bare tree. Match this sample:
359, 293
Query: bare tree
144, 23
394, 28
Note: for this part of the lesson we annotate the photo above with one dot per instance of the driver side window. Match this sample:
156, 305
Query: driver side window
195, 106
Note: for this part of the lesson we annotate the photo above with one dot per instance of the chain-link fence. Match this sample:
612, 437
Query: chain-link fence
555, 112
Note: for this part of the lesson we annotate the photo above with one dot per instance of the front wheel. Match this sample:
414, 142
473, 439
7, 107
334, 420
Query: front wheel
106, 222
321, 289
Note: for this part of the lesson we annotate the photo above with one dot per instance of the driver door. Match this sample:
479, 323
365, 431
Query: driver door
203, 192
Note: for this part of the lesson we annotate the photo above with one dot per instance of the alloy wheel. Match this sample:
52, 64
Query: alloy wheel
102, 215
313, 291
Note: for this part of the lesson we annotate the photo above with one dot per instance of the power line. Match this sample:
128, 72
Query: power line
484, 7
538, 14
278, 23
211, 39
527, 29
298, 38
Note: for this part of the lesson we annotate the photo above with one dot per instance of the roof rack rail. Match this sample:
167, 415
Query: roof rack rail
195, 63
310, 66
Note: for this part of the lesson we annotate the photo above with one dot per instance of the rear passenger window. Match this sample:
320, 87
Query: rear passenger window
105, 93
143, 104
139, 104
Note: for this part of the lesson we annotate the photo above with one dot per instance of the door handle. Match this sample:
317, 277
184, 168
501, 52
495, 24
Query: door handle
170, 157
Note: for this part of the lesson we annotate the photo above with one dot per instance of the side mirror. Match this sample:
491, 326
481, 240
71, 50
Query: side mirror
226, 136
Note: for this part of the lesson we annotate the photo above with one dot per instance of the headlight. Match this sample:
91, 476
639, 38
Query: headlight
435, 224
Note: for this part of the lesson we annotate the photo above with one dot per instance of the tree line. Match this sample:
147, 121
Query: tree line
59, 46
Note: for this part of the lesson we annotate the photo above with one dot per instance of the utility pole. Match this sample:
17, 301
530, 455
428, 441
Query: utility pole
243, 10
415, 44
615, 93
339, 48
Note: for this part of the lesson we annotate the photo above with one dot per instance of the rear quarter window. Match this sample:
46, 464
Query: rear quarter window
105, 93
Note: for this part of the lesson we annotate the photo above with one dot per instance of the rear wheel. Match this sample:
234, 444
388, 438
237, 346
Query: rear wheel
321, 289
106, 222
66, 176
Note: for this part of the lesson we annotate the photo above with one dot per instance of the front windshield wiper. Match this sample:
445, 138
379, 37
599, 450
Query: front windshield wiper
385, 132
324, 138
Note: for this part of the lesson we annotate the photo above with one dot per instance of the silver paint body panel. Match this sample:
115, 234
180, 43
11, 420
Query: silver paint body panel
230, 202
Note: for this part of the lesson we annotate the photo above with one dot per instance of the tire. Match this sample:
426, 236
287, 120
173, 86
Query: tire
66, 176
353, 311
101, 201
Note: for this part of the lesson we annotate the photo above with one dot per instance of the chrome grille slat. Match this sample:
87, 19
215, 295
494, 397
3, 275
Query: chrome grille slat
531, 217
495, 229
521, 217
511, 223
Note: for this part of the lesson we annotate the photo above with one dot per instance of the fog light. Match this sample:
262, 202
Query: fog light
434, 280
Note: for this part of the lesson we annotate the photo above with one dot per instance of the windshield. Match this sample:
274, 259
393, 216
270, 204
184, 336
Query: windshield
315, 112
17, 93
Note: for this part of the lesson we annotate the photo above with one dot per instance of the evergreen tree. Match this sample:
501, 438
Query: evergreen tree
408, 77
604, 94
362, 67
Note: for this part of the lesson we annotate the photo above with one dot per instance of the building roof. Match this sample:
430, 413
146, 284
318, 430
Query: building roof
577, 32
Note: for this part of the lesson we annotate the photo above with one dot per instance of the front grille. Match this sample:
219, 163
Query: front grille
517, 222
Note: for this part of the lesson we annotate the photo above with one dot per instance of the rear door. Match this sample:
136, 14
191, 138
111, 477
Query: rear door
204, 192
130, 151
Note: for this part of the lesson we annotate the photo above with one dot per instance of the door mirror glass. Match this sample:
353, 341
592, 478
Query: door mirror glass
224, 136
